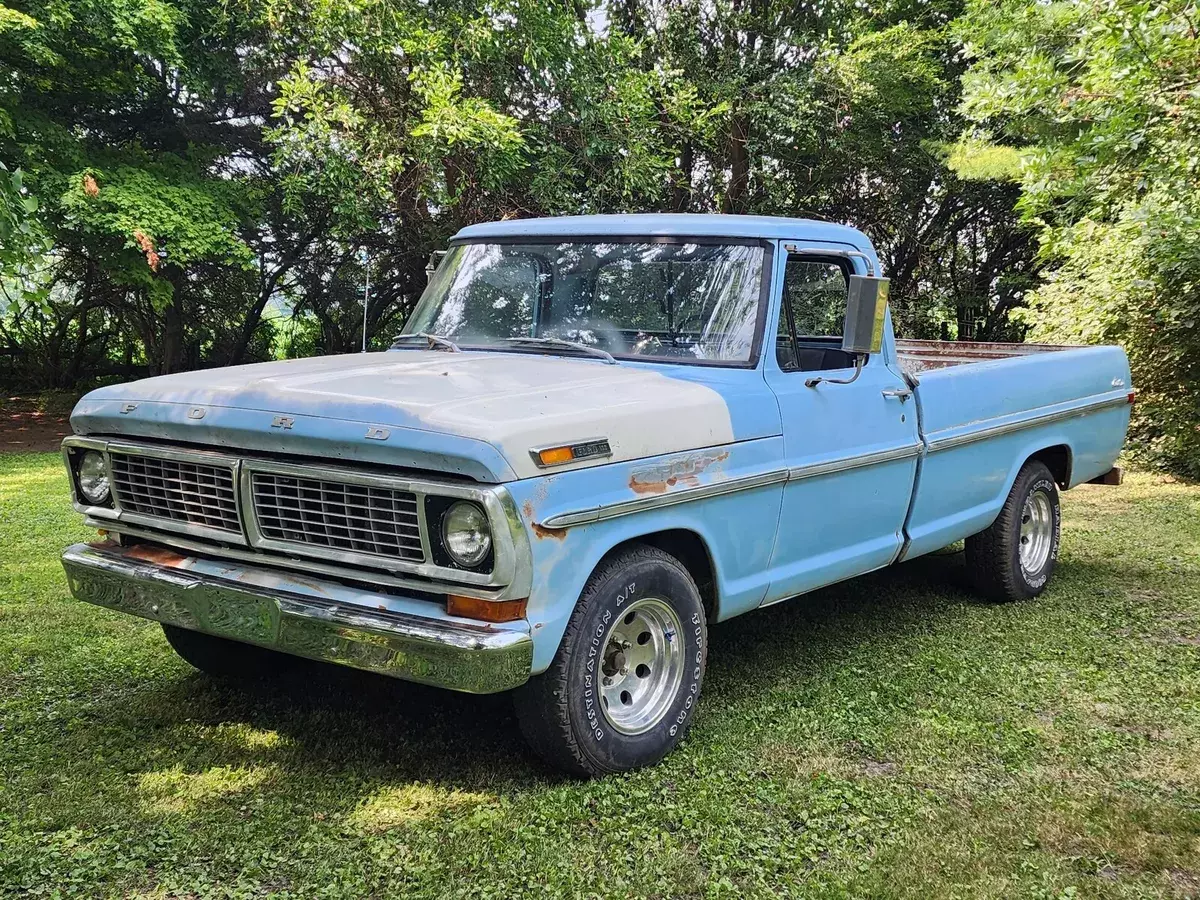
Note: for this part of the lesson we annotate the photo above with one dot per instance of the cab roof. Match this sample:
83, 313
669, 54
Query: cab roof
669, 225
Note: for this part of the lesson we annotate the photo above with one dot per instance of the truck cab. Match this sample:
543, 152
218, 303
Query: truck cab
596, 437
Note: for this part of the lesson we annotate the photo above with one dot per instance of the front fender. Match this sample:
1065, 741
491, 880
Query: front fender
728, 495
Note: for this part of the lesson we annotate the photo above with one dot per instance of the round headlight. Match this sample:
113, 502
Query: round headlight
93, 478
466, 534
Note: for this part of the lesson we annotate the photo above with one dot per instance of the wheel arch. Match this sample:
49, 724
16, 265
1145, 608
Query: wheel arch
1058, 459
693, 553
1052, 450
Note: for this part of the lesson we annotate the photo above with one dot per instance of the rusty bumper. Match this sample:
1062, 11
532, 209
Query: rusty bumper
445, 653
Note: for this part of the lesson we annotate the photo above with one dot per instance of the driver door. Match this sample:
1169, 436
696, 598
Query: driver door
851, 449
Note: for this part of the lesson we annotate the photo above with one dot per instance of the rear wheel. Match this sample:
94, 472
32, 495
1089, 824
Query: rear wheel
222, 657
625, 683
1014, 558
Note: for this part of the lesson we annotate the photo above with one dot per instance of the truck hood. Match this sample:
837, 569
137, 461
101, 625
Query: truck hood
472, 413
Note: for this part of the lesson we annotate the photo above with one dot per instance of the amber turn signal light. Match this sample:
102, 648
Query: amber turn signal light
595, 448
555, 456
485, 610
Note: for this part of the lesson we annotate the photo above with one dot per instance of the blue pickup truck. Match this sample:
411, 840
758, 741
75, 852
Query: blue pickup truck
596, 436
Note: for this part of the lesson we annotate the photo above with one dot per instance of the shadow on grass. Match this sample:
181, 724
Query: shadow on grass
332, 738
341, 718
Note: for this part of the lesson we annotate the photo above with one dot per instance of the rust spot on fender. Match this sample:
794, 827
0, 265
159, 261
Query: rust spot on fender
683, 470
542, 532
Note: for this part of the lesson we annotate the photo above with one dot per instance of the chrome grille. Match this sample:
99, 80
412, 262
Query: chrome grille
361, 518
181, 491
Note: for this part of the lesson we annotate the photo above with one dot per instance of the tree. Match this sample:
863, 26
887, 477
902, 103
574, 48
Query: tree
1092, 108
199, 167
139, 132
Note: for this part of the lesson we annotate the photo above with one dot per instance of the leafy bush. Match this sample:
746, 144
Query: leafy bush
1099, 102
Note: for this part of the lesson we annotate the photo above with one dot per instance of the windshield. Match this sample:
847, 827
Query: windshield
684, 302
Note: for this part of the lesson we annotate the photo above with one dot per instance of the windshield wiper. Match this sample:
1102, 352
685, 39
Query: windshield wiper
436, 342
561, 344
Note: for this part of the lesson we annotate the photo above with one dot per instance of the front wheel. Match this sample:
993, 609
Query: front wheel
625, 683
1015, 557
225, 658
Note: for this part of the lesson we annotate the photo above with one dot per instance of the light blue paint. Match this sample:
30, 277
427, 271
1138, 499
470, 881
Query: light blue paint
839, 525
669, 225
564, 561
963, 488
765, 544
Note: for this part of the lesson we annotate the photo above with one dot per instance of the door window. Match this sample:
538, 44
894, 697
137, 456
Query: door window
811, 321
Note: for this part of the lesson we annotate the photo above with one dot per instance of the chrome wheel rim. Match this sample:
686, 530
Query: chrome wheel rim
642, 666
1037, 531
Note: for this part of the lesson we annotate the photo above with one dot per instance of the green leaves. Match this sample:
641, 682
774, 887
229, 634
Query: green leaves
1101, 102
190, 217
22, 241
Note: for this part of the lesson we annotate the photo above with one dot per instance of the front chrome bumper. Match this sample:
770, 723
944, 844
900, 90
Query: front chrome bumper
269, 609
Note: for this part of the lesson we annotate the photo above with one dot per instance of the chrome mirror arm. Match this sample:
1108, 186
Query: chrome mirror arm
860, 360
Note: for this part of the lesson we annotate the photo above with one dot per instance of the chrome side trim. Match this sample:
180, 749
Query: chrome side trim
1039, 416
258, 608
741, 483
932, 443
687, 495
845, 463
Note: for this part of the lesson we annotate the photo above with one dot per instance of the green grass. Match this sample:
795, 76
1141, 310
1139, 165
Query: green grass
892, 736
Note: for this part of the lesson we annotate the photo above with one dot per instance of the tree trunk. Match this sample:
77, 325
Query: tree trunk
173, 351
739, 165
966, 321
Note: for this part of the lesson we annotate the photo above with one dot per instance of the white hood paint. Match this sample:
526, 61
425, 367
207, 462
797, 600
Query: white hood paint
513, 401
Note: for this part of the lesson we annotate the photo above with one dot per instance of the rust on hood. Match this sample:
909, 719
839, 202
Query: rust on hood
683, 470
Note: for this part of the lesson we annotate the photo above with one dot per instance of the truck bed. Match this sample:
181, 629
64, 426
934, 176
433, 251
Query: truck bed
922, 356
986, 408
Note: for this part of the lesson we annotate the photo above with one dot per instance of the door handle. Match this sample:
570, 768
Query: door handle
900, 394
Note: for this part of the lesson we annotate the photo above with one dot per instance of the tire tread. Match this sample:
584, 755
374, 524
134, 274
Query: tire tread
989, 554
542, 704
223, 657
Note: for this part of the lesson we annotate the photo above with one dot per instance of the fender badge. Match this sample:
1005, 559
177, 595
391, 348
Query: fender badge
378, 434
1118, 382
558, 455
128, 408
196, 412
285, 422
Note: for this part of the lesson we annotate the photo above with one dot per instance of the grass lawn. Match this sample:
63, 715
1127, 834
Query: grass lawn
892, 736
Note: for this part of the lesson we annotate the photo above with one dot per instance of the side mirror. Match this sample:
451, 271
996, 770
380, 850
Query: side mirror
866, 306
